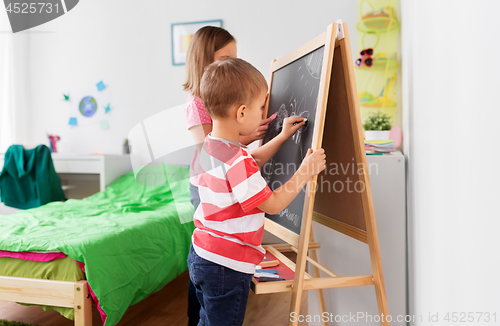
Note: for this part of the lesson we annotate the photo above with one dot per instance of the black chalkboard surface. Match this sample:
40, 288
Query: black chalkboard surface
294, 91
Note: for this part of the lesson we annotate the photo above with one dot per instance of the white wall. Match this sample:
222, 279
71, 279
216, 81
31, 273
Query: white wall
451, 115
127, 44
19, 44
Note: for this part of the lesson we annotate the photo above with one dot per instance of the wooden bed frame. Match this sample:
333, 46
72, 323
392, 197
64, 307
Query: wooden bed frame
74, 295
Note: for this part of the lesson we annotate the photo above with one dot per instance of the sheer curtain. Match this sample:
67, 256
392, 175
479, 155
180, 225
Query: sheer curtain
7, 113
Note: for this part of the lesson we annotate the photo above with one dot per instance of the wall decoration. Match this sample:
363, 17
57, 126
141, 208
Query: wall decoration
90, 106
104, 125
181, 36
100, 86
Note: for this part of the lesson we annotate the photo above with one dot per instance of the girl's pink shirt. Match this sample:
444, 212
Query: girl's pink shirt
196, 114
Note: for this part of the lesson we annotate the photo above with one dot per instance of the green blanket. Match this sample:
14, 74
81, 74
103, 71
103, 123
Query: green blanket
129, 237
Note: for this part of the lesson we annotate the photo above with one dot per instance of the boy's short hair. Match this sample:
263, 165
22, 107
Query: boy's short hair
228, 83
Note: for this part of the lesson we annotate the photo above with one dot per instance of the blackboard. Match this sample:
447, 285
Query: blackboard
294, 91
335, 125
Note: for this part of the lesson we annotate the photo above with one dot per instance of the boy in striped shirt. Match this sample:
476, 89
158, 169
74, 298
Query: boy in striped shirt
234, 196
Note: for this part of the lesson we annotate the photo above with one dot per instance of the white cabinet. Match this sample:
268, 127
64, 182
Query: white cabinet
83, 175
346, 256
107, 167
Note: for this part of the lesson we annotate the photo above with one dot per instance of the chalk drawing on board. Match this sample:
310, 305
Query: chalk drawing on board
299, 108
292, 217
276, 125
296, 108
314, 62
294, 91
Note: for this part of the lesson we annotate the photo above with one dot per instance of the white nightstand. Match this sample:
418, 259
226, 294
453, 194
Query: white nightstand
91, 168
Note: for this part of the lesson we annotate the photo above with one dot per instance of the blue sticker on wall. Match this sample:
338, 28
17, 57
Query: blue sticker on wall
100, 86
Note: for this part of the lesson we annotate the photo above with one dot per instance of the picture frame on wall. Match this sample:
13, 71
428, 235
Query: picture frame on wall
181, 36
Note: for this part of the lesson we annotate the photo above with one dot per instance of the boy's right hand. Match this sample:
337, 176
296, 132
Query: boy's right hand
291, 125
314, 162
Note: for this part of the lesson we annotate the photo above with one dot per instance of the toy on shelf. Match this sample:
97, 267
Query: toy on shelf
366, 58
382, 12
53, 140
376, 72
379, 61
368, 100
383, 19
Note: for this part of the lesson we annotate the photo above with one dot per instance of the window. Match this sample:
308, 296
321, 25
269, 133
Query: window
7, 113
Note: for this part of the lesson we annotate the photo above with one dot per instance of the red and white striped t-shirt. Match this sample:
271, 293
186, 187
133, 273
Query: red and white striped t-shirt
229, 226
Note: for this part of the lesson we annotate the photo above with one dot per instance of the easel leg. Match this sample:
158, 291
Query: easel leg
321, 297
295, 304
300, 266
383, 310
83, 304
382, 305
378, 276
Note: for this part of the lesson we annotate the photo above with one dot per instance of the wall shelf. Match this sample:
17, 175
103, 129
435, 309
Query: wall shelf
377, 24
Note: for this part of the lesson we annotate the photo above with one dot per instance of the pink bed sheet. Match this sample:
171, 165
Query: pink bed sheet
35, 256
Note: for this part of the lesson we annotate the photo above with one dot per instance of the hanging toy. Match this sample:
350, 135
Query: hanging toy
366, 58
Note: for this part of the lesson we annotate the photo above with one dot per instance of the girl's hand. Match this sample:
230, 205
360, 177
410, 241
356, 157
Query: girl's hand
259, 133
314, 162
291, 125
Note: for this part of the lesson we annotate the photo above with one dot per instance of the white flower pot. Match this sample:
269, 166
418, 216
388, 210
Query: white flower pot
377, 134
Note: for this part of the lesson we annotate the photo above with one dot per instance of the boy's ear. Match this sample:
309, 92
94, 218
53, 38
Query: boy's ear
240, 113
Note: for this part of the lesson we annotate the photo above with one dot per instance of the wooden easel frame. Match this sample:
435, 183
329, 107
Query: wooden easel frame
336, 37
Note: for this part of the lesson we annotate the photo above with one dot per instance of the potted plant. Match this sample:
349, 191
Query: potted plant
377, 126
126, 147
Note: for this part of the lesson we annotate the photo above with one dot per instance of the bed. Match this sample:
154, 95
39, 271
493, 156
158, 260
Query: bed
128, 240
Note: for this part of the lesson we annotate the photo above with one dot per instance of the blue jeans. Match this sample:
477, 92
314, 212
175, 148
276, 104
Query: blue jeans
222, 292
193, 303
